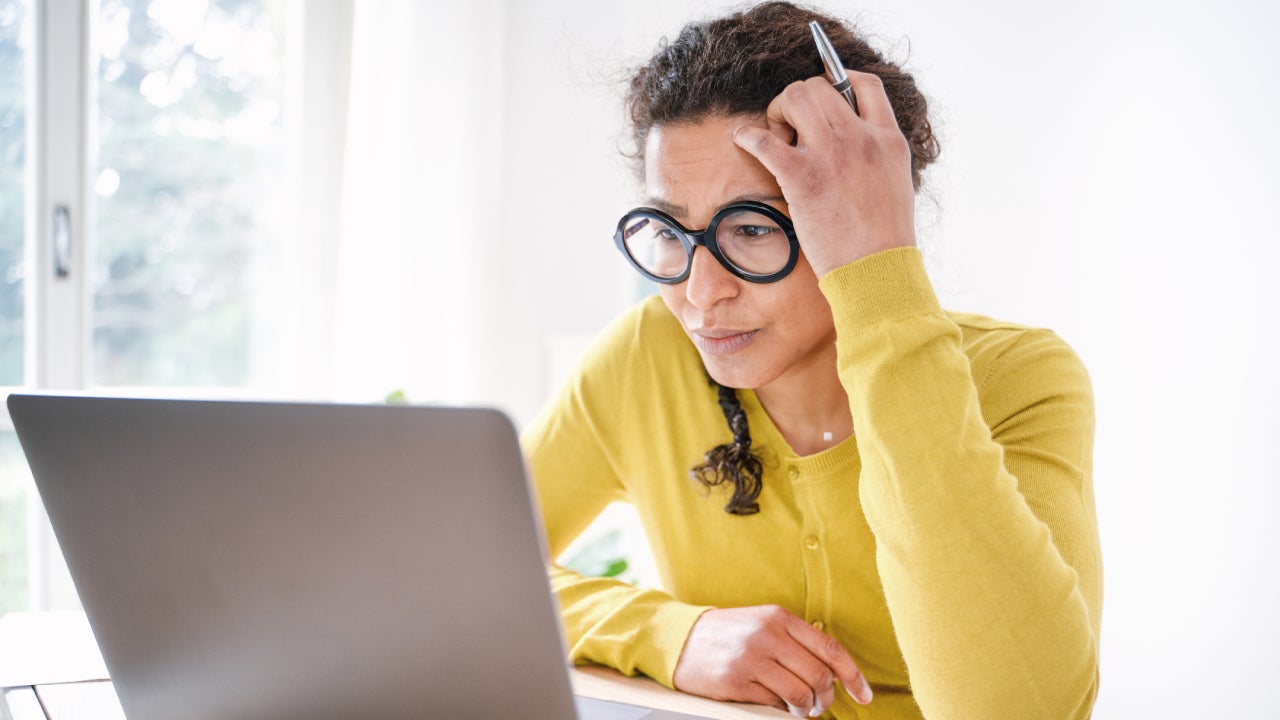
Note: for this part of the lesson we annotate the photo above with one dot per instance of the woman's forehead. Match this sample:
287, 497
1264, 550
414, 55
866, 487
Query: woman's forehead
693, 169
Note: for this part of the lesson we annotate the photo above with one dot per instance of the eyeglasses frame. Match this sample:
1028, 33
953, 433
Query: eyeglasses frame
692, 239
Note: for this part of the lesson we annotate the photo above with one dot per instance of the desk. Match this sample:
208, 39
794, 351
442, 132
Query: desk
609, 684
96, 700
92, 700
77, 689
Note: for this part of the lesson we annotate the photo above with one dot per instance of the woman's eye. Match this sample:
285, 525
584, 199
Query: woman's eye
754, 231
667, 235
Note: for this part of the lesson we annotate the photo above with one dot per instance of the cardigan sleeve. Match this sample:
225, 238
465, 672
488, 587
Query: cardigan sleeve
979, 493
572, 448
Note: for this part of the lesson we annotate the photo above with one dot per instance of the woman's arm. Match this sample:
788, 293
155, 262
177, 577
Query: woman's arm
983, 516
982, 511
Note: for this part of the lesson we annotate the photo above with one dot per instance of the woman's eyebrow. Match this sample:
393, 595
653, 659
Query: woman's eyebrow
674, 210
669, 208
759, 198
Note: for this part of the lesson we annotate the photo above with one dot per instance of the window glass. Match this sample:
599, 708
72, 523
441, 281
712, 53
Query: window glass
188, 177
14, 49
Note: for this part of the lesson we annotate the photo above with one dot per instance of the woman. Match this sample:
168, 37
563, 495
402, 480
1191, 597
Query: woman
895, 517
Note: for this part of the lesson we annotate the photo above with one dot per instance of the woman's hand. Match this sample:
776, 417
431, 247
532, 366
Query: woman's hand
846, 179
766, 655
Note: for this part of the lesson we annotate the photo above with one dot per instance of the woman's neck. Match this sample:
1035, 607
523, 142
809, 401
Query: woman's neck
809, 406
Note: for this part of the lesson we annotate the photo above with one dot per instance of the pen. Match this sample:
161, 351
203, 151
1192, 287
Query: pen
835, 68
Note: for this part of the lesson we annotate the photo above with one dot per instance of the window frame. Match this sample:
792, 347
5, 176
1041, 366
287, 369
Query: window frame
55, 309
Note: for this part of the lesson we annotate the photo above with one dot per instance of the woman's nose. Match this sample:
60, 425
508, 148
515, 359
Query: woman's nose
709, 282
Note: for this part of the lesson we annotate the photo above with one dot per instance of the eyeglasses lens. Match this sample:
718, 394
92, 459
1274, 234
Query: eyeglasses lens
753, 242
655, 246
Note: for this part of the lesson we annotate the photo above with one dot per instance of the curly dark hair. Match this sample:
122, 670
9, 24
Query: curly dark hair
737, 65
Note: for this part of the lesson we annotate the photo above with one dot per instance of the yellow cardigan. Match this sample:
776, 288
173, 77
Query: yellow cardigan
951, 544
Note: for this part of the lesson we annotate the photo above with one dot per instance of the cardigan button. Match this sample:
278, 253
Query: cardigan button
811, 542
793, 472
819, 625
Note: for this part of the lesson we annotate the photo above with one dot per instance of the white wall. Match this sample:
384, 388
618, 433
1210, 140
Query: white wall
1109, 170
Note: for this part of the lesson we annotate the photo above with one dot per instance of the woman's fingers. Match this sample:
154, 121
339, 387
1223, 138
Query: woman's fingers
797, 117
812, 110
801, 661
771, 147
769, 656
832, 655
806, 106
798, 697
811, 113
873, 102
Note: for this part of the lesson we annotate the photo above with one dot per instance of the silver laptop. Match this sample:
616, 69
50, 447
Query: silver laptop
281, 560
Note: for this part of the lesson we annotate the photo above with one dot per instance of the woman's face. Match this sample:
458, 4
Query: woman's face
749, 335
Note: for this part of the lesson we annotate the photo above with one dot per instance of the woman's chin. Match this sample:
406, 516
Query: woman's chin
732, 374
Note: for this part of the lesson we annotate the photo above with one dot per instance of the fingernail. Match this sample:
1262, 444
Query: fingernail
816, 711
862, 695
795, 710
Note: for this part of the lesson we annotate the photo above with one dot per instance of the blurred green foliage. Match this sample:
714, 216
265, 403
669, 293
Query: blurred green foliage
606, 556
189, 163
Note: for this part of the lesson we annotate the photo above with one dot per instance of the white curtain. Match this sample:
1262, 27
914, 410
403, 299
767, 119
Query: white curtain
396, 150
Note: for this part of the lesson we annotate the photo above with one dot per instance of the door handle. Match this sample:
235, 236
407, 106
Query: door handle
61, 241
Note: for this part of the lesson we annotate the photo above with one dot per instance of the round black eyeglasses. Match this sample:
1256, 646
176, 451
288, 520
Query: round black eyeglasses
754, 241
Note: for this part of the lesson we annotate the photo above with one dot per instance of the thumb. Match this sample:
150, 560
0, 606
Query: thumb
771, 147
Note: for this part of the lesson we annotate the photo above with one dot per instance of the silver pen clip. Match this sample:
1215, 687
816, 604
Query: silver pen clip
835, 68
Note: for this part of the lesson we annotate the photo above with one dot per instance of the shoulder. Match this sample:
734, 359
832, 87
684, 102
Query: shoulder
640, 378
1016, 366
642, 352
997, 346
644, 336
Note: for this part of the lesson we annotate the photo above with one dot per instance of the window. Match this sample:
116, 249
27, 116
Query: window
157, 148
237, 227
15, 46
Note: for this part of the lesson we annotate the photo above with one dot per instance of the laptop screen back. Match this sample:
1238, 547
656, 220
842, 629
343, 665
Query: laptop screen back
255, 560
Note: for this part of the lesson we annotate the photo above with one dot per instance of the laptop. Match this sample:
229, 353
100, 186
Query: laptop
293, 560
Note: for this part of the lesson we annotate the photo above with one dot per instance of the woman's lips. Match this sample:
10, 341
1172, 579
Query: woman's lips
713, 341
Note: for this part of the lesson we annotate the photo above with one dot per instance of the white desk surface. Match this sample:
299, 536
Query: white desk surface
96, 700
69, 678
46, 648
609, 684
